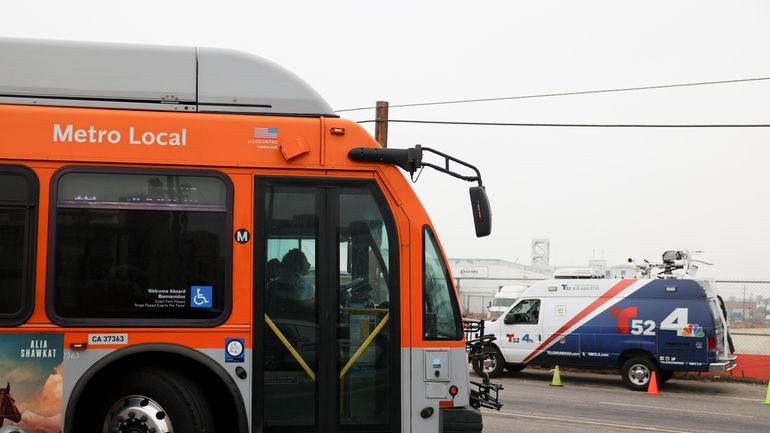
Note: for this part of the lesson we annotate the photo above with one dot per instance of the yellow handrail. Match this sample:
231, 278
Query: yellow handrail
288, 345
364, 345
365, 310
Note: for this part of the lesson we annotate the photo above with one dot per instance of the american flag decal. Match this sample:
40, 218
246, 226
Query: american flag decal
271, 133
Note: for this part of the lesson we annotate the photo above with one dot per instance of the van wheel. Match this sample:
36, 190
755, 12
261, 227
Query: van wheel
491, 364
148, 400
664, 375
636, 373
515, 368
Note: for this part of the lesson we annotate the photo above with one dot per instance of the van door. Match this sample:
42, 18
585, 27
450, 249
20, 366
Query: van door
522, 330
724, 323
683, 336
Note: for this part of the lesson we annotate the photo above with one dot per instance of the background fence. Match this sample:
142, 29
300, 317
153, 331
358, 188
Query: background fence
748, 309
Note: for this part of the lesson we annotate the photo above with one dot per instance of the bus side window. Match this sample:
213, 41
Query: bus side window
140, 247
18, 218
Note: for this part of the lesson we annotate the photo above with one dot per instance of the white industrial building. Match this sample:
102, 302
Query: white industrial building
478, 280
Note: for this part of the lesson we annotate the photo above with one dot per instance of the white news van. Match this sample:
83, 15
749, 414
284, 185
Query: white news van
634, 325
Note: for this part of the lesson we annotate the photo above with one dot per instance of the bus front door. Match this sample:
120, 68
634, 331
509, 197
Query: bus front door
326, 350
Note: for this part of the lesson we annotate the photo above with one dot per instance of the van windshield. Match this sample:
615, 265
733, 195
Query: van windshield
502, 302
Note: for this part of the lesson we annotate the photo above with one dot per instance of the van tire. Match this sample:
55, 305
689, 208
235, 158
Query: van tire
492, 365
515, 368
636, 372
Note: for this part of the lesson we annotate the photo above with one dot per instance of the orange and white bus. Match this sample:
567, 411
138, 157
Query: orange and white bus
191, 240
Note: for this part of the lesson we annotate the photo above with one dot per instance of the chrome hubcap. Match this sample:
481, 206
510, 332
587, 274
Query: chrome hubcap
137, 414
489, 364
639, 374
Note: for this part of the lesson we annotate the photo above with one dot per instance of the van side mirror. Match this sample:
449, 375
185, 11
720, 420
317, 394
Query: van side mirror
509, 319
482, 215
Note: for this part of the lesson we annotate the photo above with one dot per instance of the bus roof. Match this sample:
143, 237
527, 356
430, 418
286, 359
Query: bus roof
85, 74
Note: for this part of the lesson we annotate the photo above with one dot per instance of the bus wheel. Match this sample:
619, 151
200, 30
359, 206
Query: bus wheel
154, 400
492, 364
636, 373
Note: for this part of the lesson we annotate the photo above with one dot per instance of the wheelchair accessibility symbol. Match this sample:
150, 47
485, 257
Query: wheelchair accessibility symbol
201, 296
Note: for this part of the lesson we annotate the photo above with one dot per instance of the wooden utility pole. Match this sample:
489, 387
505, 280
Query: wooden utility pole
381, 124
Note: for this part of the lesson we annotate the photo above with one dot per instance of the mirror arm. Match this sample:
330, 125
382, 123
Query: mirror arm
447, 170
453, 174
411, 160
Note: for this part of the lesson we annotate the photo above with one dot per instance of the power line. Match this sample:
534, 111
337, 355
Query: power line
550, 95
582, 125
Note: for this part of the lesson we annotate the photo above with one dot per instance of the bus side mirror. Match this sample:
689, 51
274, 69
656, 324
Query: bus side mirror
482, 215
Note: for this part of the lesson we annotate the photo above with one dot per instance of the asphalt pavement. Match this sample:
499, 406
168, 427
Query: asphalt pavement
590, 402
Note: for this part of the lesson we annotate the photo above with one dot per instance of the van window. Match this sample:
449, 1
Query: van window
144, 246
18, 216
716, 314
526, 311
441, 316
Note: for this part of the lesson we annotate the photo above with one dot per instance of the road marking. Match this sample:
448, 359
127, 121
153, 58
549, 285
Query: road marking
757, 400
675, 409
727, 397
584, 421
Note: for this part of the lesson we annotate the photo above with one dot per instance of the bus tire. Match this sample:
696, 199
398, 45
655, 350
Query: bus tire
493, 364
636, 372
151, 398
515, 368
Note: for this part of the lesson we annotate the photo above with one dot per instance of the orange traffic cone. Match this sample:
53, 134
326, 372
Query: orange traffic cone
652, 387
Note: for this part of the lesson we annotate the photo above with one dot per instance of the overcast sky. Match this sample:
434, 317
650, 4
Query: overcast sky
608, 193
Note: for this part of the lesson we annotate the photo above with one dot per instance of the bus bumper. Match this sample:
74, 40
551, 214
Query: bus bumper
460, 419
725, 365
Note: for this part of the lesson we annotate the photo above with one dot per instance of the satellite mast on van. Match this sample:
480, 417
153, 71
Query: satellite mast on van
671, 261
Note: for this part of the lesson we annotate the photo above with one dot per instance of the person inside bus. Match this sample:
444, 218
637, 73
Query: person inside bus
273, 269
294, 268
